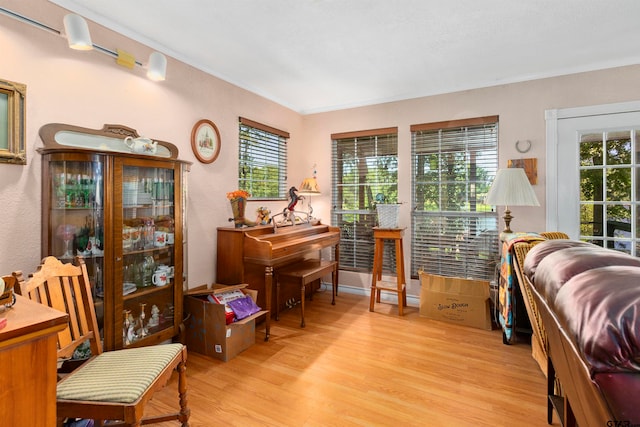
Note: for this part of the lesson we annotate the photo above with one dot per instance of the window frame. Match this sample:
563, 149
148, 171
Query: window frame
461, 248
249, 132
356, 237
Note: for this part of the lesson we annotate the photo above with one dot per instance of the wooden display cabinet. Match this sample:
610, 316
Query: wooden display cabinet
124, 213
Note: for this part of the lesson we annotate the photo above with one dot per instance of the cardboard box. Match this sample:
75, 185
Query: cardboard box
207, 331
455, 300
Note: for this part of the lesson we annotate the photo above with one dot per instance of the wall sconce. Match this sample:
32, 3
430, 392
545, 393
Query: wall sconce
157, 67
511, 187
77, 31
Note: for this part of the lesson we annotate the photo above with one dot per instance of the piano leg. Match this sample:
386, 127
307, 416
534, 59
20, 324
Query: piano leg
268, 286
303, 290
334, 285
336, 254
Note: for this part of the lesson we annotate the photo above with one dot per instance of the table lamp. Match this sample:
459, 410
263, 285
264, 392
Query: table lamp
309, 188
511, 187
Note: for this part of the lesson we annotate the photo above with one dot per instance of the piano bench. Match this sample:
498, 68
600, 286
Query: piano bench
304, 273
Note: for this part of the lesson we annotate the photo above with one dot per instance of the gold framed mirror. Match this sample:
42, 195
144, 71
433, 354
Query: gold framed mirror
12, 122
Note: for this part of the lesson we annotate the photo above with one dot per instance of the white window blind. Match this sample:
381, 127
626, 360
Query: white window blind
454, 233
365, 164
262, 160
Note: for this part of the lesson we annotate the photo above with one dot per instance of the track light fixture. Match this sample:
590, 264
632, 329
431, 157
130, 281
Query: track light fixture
77, 32
157, 67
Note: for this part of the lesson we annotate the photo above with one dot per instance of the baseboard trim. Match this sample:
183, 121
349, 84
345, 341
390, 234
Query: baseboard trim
412, 300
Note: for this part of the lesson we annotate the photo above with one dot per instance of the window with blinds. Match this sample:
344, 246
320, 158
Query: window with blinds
454, 233
263, 160
364, 165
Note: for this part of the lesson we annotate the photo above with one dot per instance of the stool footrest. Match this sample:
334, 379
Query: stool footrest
389, 288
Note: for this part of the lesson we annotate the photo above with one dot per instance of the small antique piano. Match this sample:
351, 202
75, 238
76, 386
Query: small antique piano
251, 255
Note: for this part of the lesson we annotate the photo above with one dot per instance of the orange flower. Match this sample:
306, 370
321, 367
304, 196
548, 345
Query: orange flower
238, 193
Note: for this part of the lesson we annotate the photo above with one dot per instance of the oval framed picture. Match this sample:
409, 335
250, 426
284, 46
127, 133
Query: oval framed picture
205, 141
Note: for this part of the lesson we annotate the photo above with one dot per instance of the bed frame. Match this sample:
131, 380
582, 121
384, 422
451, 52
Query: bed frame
539, 347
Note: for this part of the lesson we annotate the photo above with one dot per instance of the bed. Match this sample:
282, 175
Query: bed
588, 299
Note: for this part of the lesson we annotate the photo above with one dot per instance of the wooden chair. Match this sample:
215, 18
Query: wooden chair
113, 385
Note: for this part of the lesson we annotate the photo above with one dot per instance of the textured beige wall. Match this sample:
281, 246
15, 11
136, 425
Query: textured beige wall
88, 89
521, 108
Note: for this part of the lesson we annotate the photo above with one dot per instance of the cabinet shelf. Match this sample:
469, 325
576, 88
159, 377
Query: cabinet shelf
84, 257
155, 335
147, 290
155, 250
77, 208
148, 206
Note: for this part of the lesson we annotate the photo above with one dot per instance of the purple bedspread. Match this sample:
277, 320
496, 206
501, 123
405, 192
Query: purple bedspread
554, 270
541, 250
601, 310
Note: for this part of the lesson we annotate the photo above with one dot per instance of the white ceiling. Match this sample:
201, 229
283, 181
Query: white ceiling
321, 55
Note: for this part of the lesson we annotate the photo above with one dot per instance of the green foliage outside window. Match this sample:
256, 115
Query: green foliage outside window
262, 163
605, 184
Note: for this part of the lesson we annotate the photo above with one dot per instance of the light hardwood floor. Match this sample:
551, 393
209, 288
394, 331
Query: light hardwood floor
351, 367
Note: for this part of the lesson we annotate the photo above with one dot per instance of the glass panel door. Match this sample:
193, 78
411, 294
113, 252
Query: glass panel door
147, 222
76, 218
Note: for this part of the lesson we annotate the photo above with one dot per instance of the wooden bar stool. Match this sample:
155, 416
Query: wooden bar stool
380, 235
304, 273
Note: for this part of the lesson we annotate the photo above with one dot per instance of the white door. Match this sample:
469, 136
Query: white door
606, 212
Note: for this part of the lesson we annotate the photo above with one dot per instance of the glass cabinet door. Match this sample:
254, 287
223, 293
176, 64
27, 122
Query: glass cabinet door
76, 218
148, 266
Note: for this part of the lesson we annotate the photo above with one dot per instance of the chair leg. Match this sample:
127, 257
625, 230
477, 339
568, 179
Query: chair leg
376, 273
185, 412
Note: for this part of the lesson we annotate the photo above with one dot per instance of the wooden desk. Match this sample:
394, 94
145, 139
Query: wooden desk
28, 353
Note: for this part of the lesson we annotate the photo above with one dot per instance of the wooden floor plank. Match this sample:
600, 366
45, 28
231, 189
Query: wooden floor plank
352, 367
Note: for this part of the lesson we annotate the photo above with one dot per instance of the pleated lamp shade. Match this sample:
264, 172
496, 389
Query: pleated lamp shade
511, 187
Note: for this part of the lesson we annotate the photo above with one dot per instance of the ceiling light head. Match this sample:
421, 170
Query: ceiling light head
157, 67
77, 31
